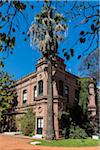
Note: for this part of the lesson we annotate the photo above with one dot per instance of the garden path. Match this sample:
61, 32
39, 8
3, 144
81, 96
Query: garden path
9, 142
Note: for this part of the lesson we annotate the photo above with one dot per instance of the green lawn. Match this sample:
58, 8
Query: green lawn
70, 142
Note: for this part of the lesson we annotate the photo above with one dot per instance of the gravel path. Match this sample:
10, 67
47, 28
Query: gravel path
8, 142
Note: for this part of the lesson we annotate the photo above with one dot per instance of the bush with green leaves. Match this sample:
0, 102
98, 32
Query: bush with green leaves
75, 124
28, 122
77, 133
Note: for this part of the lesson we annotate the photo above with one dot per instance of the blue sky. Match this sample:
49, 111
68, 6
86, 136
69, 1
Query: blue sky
24, 58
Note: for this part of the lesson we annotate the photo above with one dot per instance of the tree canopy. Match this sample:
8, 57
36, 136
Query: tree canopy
10, 17
47, 30
87, 15
84, 15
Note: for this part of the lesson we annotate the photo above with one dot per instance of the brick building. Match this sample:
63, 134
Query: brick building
32, 92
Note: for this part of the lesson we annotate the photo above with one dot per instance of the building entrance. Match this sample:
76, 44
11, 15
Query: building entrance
39, 125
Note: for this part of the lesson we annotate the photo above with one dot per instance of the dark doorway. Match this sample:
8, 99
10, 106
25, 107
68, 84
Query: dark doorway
39, 125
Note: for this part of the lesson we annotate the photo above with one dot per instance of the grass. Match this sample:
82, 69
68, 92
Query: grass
70, 142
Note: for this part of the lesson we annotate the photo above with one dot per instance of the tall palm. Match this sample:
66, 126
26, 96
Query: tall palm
45, 32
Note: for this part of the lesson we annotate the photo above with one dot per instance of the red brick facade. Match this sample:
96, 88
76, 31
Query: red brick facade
32, 92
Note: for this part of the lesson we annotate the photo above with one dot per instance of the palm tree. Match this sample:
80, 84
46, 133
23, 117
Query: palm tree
45, 32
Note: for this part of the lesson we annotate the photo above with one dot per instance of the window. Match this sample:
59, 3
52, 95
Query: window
40, 123
66, 92
40, 88
24, 96
60, 87
35, 91
76, 95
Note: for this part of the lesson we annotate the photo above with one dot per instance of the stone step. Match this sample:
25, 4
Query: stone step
12, 133
37, 136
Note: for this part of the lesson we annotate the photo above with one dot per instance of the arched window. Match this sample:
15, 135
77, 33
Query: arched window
24, 96
35, 91
61, 90
40, 88
66, 92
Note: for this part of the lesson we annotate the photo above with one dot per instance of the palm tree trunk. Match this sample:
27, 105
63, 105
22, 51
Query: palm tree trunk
50, 117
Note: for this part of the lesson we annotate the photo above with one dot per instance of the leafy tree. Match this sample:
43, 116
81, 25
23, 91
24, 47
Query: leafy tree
46, 31
8, 96
10, 15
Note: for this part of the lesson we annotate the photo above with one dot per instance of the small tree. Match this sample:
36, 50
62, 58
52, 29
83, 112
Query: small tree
8, 97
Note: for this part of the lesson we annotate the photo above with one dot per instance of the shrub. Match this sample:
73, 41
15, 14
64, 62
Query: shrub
28, 122
77, 133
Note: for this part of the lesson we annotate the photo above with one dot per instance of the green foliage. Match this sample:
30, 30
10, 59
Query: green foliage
83, 94
73, 123
10, 14
8, 95
28, 122
31, 134
77, 133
